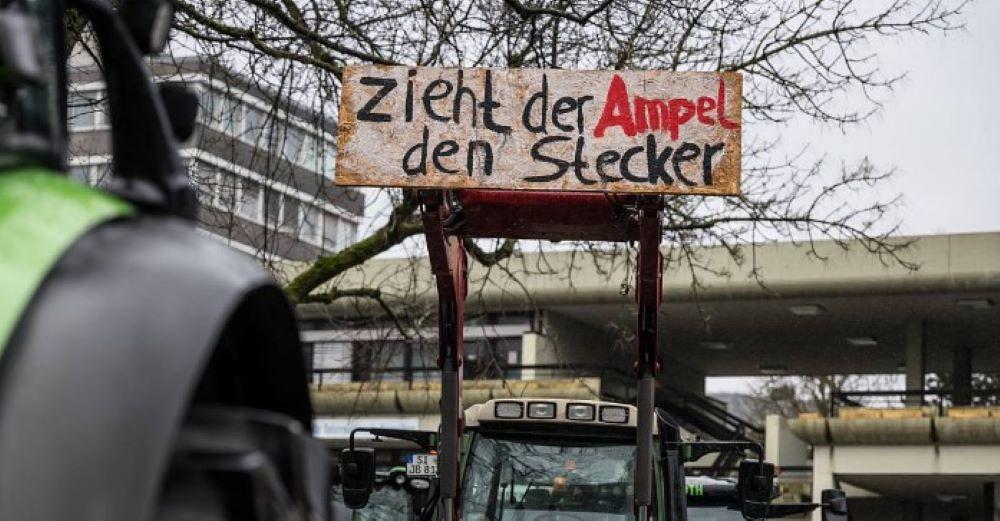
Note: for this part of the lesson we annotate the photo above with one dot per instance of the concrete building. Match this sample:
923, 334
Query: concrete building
262, 165
564, 315
849, 313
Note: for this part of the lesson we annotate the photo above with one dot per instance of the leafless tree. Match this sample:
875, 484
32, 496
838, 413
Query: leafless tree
799, 58
793, 395
814, 59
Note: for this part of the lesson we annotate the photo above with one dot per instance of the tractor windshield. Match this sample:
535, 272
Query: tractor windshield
385, 504
529, 480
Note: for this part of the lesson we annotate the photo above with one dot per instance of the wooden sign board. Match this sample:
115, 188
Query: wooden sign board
532, 129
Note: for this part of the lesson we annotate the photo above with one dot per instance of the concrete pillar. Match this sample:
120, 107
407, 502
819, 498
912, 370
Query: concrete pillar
822, 475
781, 447
916, 359
961, 375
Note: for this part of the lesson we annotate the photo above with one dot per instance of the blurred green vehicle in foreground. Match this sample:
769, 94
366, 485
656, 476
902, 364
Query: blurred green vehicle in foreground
146, 372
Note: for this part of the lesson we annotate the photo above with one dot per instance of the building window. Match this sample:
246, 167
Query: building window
293, 143
332, 362
309, 156
100, 175
487, 357
269, 139
255, 121
309, 231
85, 110
218, 109
227, 188
249, 200
81, 173
272, 209
330, 232
232, 116
423, 362
205, 106
346, 231
227, 113
290, 214
329, 158
204, 177
383, 361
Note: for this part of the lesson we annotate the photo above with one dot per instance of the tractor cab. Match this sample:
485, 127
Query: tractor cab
549, 459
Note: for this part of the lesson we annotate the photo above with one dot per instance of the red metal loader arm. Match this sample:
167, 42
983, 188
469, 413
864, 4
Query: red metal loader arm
449, 217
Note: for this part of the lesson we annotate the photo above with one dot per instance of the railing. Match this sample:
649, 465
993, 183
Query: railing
707, 416
617, 378
939, 398
695, 412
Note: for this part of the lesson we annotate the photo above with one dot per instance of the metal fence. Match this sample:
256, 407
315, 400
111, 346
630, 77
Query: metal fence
939, 398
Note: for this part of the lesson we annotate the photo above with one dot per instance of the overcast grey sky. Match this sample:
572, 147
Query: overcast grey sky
939, 127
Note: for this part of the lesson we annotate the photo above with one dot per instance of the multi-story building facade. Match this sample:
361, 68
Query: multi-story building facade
263, 165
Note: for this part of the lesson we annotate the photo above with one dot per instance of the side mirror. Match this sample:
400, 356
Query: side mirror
148, 21
755, 488
182, 108
835, 505
357, 473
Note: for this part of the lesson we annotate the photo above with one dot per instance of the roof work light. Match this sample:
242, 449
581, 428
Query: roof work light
508, 410
580, 412
542, 410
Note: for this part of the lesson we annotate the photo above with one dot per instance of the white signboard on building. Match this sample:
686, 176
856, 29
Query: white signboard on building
340, 428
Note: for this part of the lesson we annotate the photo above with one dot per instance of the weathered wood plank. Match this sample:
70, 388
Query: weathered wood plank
532, 129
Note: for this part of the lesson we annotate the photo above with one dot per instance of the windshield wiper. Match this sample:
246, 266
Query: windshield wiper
491, 504
503, 490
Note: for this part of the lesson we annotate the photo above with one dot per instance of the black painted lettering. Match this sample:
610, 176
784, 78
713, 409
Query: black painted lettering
563, 105
421, 167
456, 105
486, 160
431, 96
444, 149
579, 165
685, 152
409, 94
488, 105
579, 111
537, 155
623, 167
656, 163
540, 96
387, 84
706, 164
608, 157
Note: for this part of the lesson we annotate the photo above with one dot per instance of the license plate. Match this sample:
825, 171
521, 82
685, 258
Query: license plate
423, 465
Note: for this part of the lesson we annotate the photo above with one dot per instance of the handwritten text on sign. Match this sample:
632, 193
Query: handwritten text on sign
529, 129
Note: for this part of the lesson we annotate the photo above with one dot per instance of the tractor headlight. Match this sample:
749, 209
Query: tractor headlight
544, 410
580, 412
